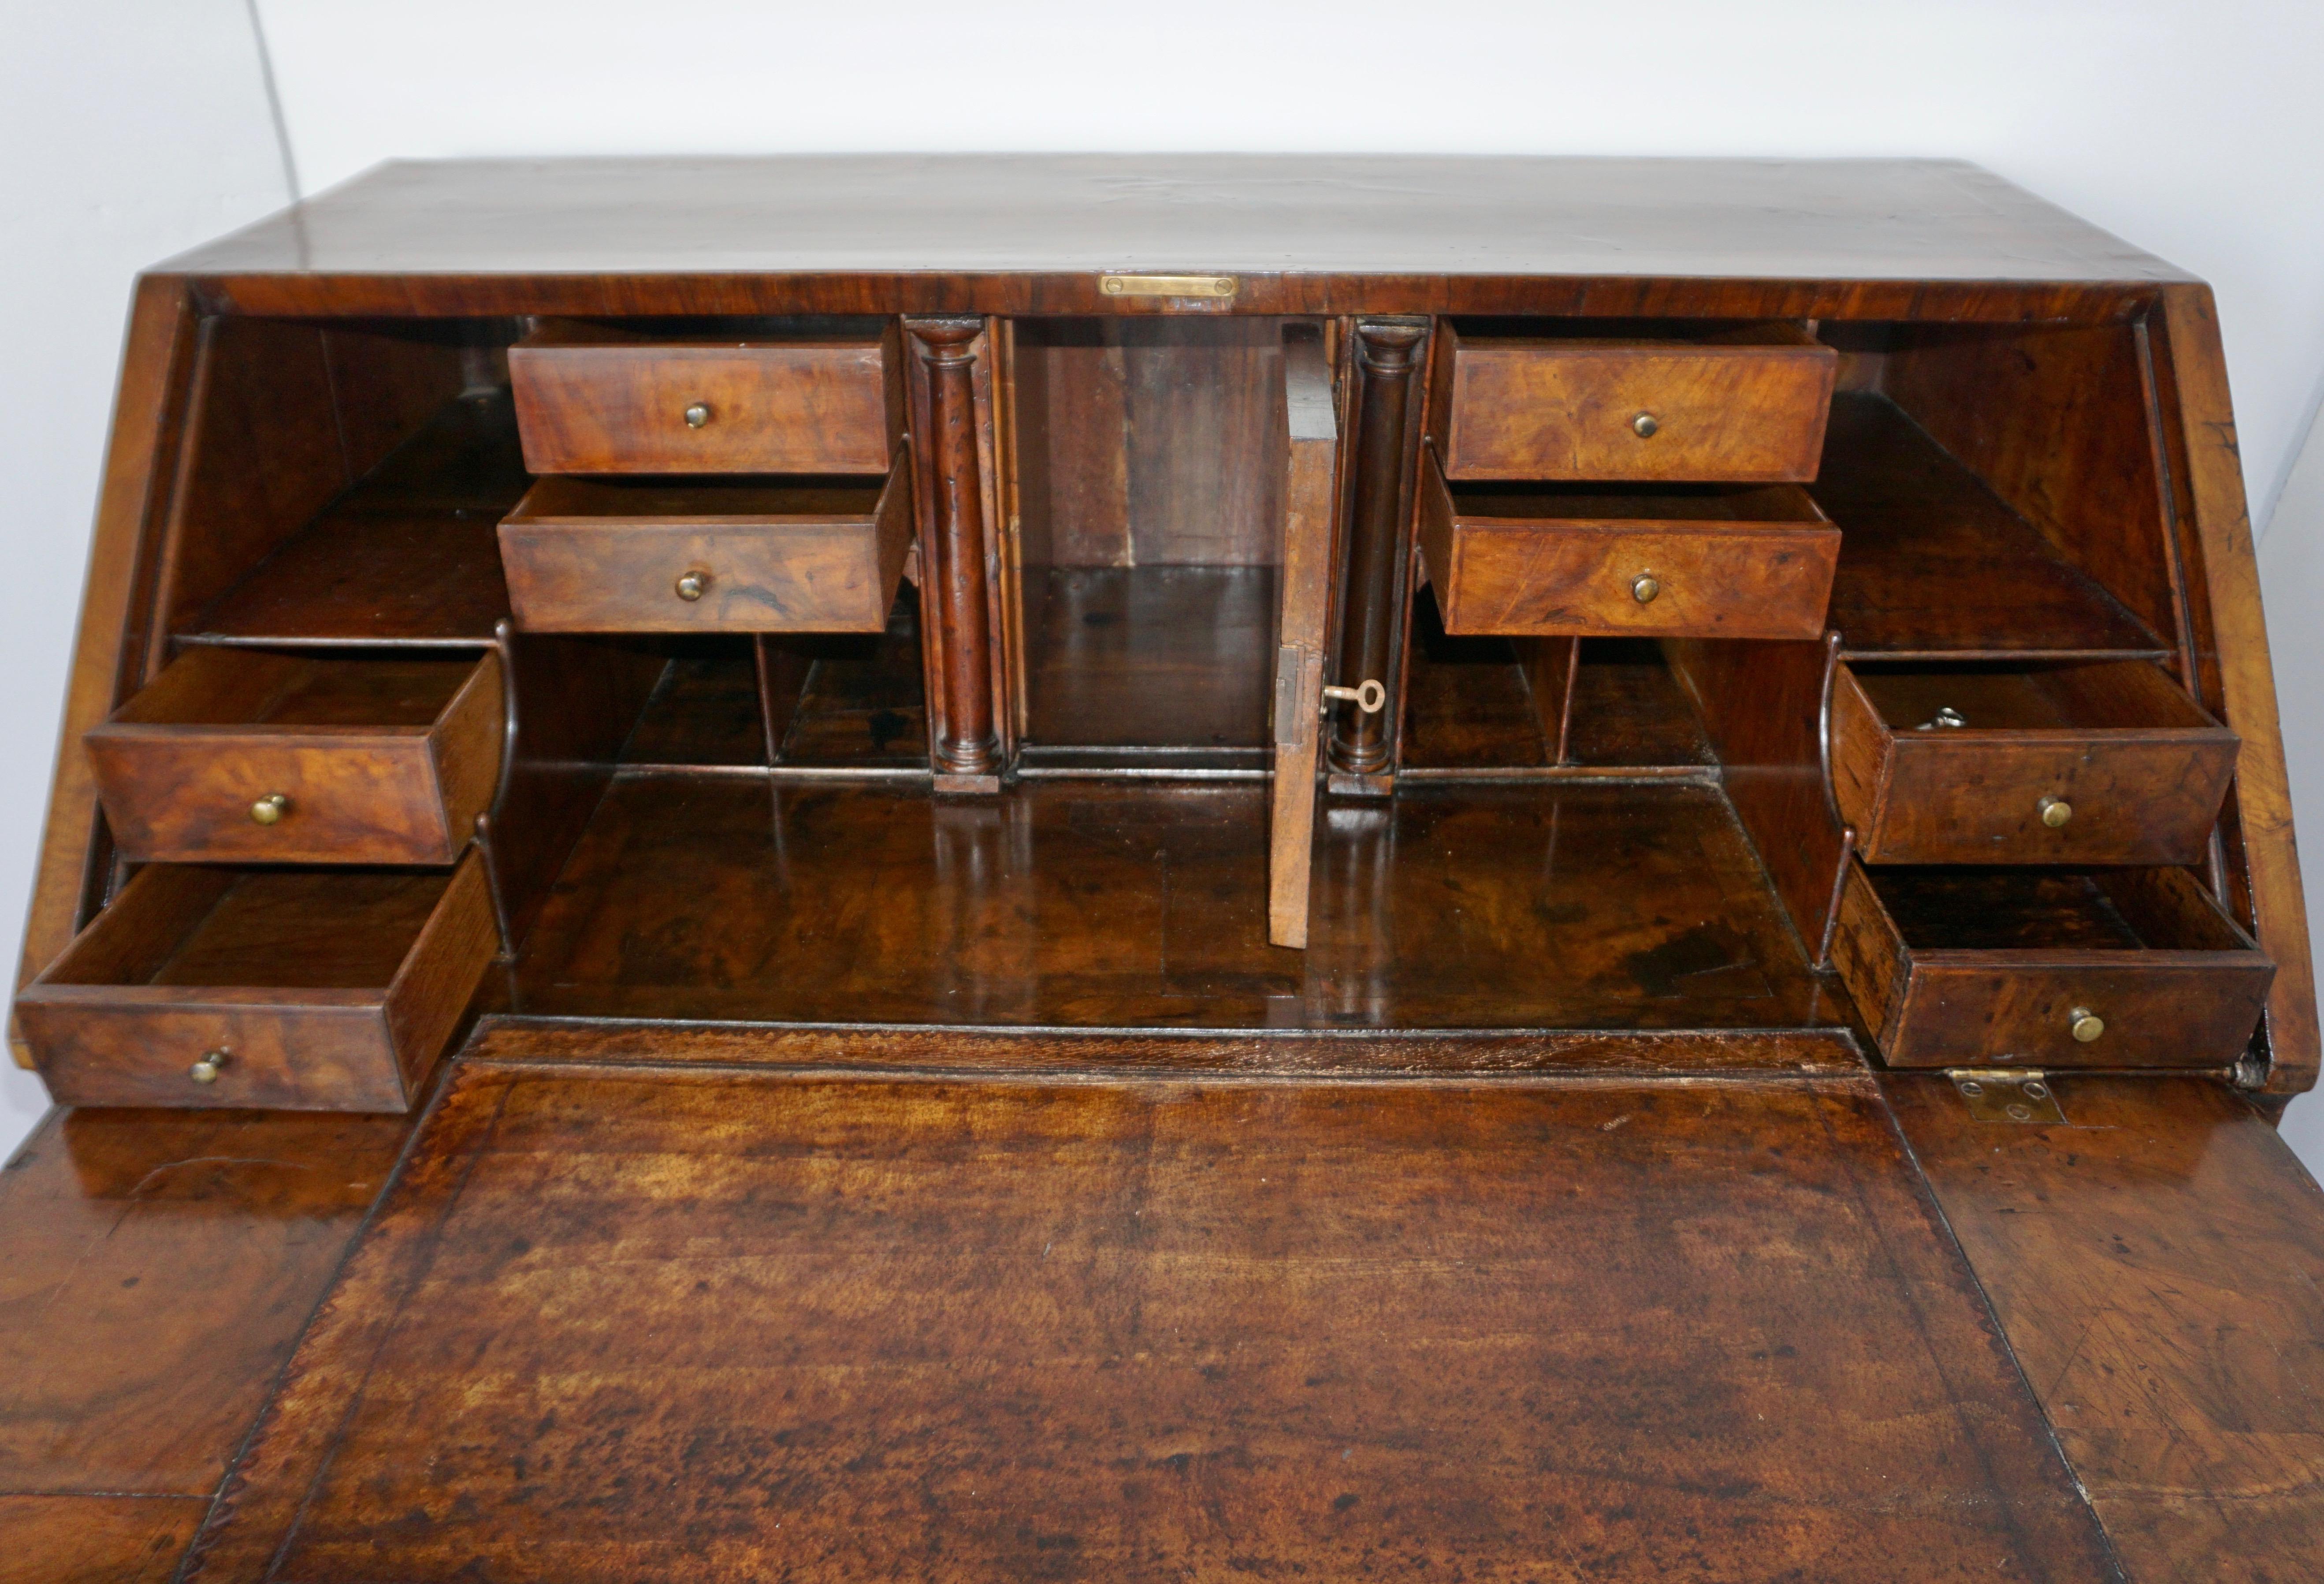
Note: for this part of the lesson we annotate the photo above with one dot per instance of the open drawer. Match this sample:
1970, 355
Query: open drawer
2110, 967
723, 555
1674, 561
599, 399
1734, 403
302, 989
252, 755
2103, 762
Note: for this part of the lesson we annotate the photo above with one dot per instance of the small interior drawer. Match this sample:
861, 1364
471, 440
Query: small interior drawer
2103, 761
596, 399
253, 755
1975, 967
1678, 561
298, 990
1738, 404
723, 555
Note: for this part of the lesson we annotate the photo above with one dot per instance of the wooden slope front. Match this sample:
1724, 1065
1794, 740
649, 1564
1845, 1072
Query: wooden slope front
613, 1326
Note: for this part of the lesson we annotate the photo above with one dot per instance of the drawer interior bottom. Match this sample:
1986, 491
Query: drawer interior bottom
1972, 909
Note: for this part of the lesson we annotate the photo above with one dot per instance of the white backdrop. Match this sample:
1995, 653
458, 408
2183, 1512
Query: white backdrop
2195, 131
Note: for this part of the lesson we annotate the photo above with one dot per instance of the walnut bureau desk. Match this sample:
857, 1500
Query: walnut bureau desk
1166, 868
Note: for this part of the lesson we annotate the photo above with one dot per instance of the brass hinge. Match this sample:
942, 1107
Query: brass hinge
2004, 1094
1168, 285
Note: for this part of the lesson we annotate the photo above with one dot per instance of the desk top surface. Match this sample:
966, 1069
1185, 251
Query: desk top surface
1791, 219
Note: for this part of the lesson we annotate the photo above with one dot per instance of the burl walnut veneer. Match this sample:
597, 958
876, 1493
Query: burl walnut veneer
1161, 868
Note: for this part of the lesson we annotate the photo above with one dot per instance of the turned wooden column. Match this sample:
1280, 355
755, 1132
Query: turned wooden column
1388, 356
955, 593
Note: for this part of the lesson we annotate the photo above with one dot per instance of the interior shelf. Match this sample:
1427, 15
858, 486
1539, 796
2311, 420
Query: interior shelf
410, 555
1934, 562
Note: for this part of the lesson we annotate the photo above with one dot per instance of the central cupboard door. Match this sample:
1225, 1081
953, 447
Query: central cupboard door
1310, 509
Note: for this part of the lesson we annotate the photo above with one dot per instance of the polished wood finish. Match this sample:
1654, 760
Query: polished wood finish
2157, 1267
96, 1539
2139, 769
1144, 904
1559, 1127
1302, 233
1980, 968
2238, 679
381, 760
1310, 512
155, 1269
594, 399
324, 990
1264, 1329
948, 459
1744, 405
1751, 563
1388, 357
725, 556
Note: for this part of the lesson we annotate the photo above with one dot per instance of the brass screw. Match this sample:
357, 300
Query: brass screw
205, 1071
1645, 425
2087, 1026
698, 415
2055, 812
1645, 586
269, 809
690, 585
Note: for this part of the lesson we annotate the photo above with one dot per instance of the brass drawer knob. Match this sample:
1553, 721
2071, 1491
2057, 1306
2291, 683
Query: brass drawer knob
1645, 425
2087, 1026
690, 586
698, 415
2055, 812
205, 1071
269, 809
1645, 586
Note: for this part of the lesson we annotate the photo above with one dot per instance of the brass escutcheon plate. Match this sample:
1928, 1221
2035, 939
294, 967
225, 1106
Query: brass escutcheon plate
1166, 285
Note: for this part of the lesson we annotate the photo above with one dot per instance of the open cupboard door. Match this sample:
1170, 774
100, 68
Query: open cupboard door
1311, 474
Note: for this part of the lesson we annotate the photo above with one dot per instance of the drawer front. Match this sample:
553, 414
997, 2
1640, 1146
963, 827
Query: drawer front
1946, 796
255, 794
137, 1050
1670, 581
812, 407
133, 1042
674, 575
2159, 1008
1708, 415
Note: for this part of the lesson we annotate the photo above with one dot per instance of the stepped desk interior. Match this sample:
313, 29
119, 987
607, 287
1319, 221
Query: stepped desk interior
1166, 868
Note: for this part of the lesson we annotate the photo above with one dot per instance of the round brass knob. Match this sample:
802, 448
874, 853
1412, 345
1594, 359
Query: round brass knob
1645, 425
698, 415
1645, 586
269, 809
690, 585
2087, 1026
205, 1071
2055, 812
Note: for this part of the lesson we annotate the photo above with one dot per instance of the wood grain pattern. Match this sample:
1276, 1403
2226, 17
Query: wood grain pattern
2157, 1266
1980, 968
140, 464
1755, 563
327, 990
603, 556
2239, 680
155, 1269
1310, 518
1034, 232
96, 1539
592, 399
1152, 1332
1744, 406
383, 760
2140, 767
958, 561
1573, 906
